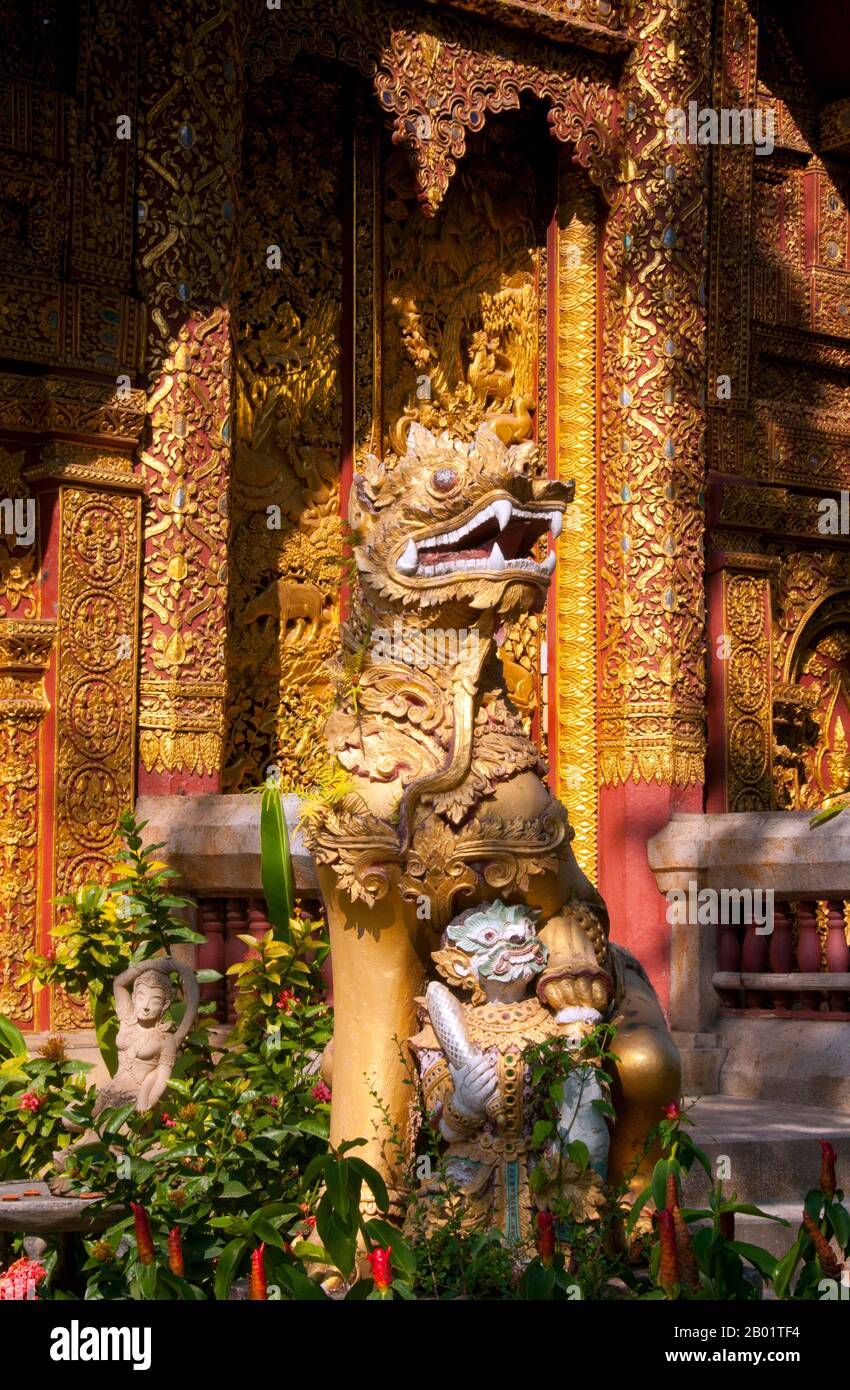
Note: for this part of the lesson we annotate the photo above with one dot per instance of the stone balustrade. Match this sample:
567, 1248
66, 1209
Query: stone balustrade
726, 974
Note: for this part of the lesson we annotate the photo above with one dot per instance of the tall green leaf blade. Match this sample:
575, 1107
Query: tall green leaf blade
276, 860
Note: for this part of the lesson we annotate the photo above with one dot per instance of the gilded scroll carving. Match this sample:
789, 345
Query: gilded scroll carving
652, 645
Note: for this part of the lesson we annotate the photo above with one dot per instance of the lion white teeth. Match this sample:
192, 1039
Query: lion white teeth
550, 562
502, 511
497, 559
556, 523
409, 561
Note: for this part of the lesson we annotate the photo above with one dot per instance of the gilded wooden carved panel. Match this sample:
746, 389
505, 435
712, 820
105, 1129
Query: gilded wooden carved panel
286, 541
746, 600
97, 647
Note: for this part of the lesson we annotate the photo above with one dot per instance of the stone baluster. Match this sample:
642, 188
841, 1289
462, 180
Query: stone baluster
781, 952
729, 958
211, 954
808, 951
234, 949
837, 951
755, 959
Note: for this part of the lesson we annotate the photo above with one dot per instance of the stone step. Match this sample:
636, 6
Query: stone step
774, 1159
772, 1149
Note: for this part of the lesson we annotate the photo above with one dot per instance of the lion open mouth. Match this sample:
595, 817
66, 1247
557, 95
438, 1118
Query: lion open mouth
515, 956
499, 537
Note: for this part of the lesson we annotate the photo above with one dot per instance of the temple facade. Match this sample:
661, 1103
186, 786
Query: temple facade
244, 245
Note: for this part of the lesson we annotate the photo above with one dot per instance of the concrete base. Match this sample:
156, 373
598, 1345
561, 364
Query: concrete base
702, 1060
802, 1061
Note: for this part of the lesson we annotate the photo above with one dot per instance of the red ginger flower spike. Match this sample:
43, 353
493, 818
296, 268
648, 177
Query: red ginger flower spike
546, 1237
671, 1199
668, 1264
727, 1225
829, 1261
258, 1289
688, 1267
144, 1242
672, 1111
382, 1270
827, 1168
175, 1252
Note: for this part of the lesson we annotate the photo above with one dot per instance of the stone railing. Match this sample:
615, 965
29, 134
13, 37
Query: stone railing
725, 974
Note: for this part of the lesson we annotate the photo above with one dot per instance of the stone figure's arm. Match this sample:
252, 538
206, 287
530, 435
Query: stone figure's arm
191, 997
579, 1118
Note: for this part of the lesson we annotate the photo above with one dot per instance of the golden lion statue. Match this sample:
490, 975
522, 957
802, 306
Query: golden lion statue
447, 805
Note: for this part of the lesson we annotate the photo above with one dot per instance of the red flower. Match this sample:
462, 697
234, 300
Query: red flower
321, 1092
175, 1252
672, 1111
30, 1101
167, 1120
382, 1271
21, 1280
144, 1243
827, 1168
258, 1286
284, 1000
668, 1264
546, 1237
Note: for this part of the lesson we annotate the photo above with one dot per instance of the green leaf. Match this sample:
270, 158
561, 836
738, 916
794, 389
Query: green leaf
12, 1037
784, 1272
659, 1182
146, 1278
276, 861
232, 1188
542, 1130
208, 977
579, 1153
373, 1181
747, 1209
763, 1261
637, 1207
228, 1262
403, 1256
106, 1030
336, 1185
823, 816
840, 1221
338, 1238
265, 1231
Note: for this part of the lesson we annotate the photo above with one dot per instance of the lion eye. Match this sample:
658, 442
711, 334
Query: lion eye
444, 479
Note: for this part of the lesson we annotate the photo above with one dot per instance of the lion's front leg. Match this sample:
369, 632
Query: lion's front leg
377, 975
